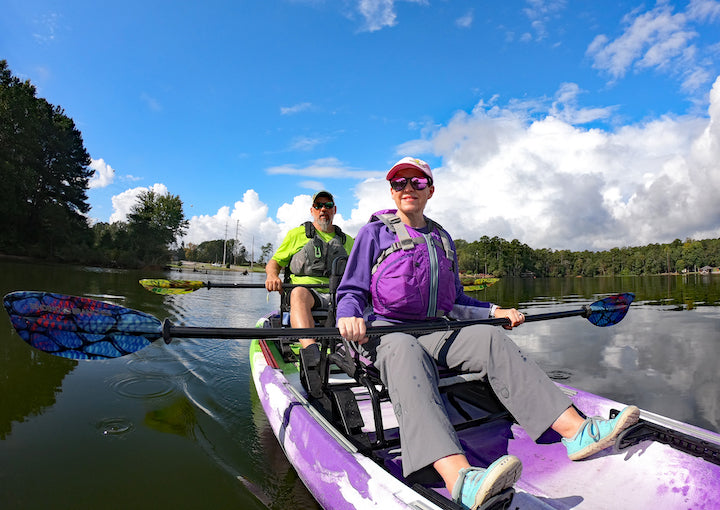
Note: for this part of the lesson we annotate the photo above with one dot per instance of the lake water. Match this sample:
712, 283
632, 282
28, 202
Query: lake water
179, 425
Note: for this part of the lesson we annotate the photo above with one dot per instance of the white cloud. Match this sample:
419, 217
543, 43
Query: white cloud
249, 219
466, 20
48, 26
306, 143
379, 14
565, 107
704, 10
515, 172
323, 167
540, 12
104, 174
661, 40
290, 110
151, 102
123, 203
552, 184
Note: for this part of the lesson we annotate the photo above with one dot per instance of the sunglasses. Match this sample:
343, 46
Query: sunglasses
417, 183
326, 205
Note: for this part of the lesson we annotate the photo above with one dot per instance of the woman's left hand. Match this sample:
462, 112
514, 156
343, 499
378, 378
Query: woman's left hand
516, 318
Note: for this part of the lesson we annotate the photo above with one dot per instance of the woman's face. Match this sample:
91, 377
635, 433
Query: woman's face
409, 200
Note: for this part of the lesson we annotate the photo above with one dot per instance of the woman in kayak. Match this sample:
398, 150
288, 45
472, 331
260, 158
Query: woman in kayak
405, 266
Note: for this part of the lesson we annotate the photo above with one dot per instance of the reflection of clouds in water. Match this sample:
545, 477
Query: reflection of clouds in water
621, 358
663, 361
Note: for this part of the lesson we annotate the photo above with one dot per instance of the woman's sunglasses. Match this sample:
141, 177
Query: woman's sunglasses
417, 183
326, 205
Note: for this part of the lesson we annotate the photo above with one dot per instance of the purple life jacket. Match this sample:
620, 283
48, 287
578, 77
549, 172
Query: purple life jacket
414, 278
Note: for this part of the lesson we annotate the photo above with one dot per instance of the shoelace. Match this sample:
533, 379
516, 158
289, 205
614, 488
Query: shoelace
594, 431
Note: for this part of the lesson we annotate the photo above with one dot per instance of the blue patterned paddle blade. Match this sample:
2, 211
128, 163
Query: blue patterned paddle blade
611, 310
79, 328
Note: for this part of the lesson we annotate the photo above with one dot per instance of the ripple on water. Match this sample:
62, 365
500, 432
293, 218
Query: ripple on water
159, 365
559, 375
114, 427
134, 386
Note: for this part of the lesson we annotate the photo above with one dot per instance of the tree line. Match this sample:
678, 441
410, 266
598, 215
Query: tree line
218, 250
498, 257
44, 168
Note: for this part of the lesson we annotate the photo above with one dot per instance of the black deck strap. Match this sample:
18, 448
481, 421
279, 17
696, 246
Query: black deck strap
648, 431
442, 355
310, 370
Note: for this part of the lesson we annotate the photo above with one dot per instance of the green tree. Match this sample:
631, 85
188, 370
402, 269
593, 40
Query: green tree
44, 168
266, 252
154, 224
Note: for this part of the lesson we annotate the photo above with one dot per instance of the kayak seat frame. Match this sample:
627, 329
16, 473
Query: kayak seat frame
466, 392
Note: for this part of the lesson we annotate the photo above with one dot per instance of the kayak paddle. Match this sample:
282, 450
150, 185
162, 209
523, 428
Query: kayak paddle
166, 287
172, 287
83, 328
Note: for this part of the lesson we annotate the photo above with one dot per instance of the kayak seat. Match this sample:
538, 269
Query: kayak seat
471, 401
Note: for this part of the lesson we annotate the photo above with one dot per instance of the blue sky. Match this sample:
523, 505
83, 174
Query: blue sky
565, 125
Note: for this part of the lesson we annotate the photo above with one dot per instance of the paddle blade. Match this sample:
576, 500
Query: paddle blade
611, 310
79, 328
170, 287
477, 284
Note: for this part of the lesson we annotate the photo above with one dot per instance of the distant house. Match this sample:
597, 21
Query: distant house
709, 269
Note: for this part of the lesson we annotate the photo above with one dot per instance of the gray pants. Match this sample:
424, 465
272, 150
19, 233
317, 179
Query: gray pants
408, 368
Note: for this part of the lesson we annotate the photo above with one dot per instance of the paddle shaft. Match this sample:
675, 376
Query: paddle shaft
171, 331
210, 285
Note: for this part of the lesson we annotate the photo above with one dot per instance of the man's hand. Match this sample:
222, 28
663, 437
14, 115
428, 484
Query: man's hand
273, 283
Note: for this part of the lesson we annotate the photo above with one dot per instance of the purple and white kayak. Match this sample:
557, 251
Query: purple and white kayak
660, 463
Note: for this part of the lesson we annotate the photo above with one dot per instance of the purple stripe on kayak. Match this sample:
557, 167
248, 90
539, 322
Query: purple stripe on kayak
338, 478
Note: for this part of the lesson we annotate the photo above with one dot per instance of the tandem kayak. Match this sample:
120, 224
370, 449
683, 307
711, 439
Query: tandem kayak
345, 448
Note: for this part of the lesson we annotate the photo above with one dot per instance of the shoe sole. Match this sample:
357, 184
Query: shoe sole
628, 417
503, 475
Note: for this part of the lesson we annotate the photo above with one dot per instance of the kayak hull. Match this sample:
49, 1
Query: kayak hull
649, 474
337, 475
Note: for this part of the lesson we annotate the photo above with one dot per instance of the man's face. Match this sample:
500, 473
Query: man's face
323, 211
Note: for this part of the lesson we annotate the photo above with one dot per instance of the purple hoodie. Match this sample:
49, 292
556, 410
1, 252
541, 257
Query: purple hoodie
354, 294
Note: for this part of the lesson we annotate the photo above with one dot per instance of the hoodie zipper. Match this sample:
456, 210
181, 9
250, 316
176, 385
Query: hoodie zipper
434, 272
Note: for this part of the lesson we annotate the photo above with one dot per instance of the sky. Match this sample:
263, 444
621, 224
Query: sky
565, 125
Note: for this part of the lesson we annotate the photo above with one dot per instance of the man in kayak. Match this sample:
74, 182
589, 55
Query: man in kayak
309, 250
405, 266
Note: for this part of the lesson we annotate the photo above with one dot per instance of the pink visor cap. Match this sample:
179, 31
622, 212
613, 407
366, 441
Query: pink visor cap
409, 162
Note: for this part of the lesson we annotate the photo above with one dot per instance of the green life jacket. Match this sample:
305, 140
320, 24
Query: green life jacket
316, 257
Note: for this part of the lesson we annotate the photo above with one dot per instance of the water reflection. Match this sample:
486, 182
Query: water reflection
190, 409
22, 367
659, 359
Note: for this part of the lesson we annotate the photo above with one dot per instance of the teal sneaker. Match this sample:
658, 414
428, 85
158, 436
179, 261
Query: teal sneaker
597, 434
475, 485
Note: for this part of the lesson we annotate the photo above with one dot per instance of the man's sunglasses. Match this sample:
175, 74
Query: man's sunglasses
326, 205
417, 183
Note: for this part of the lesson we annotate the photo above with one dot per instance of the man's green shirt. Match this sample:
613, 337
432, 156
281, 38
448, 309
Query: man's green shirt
294, 242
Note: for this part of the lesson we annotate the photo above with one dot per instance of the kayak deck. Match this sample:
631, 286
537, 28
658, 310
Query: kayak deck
346, 462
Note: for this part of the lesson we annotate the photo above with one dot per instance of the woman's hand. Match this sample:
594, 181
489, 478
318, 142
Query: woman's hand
516, 318
353, 329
